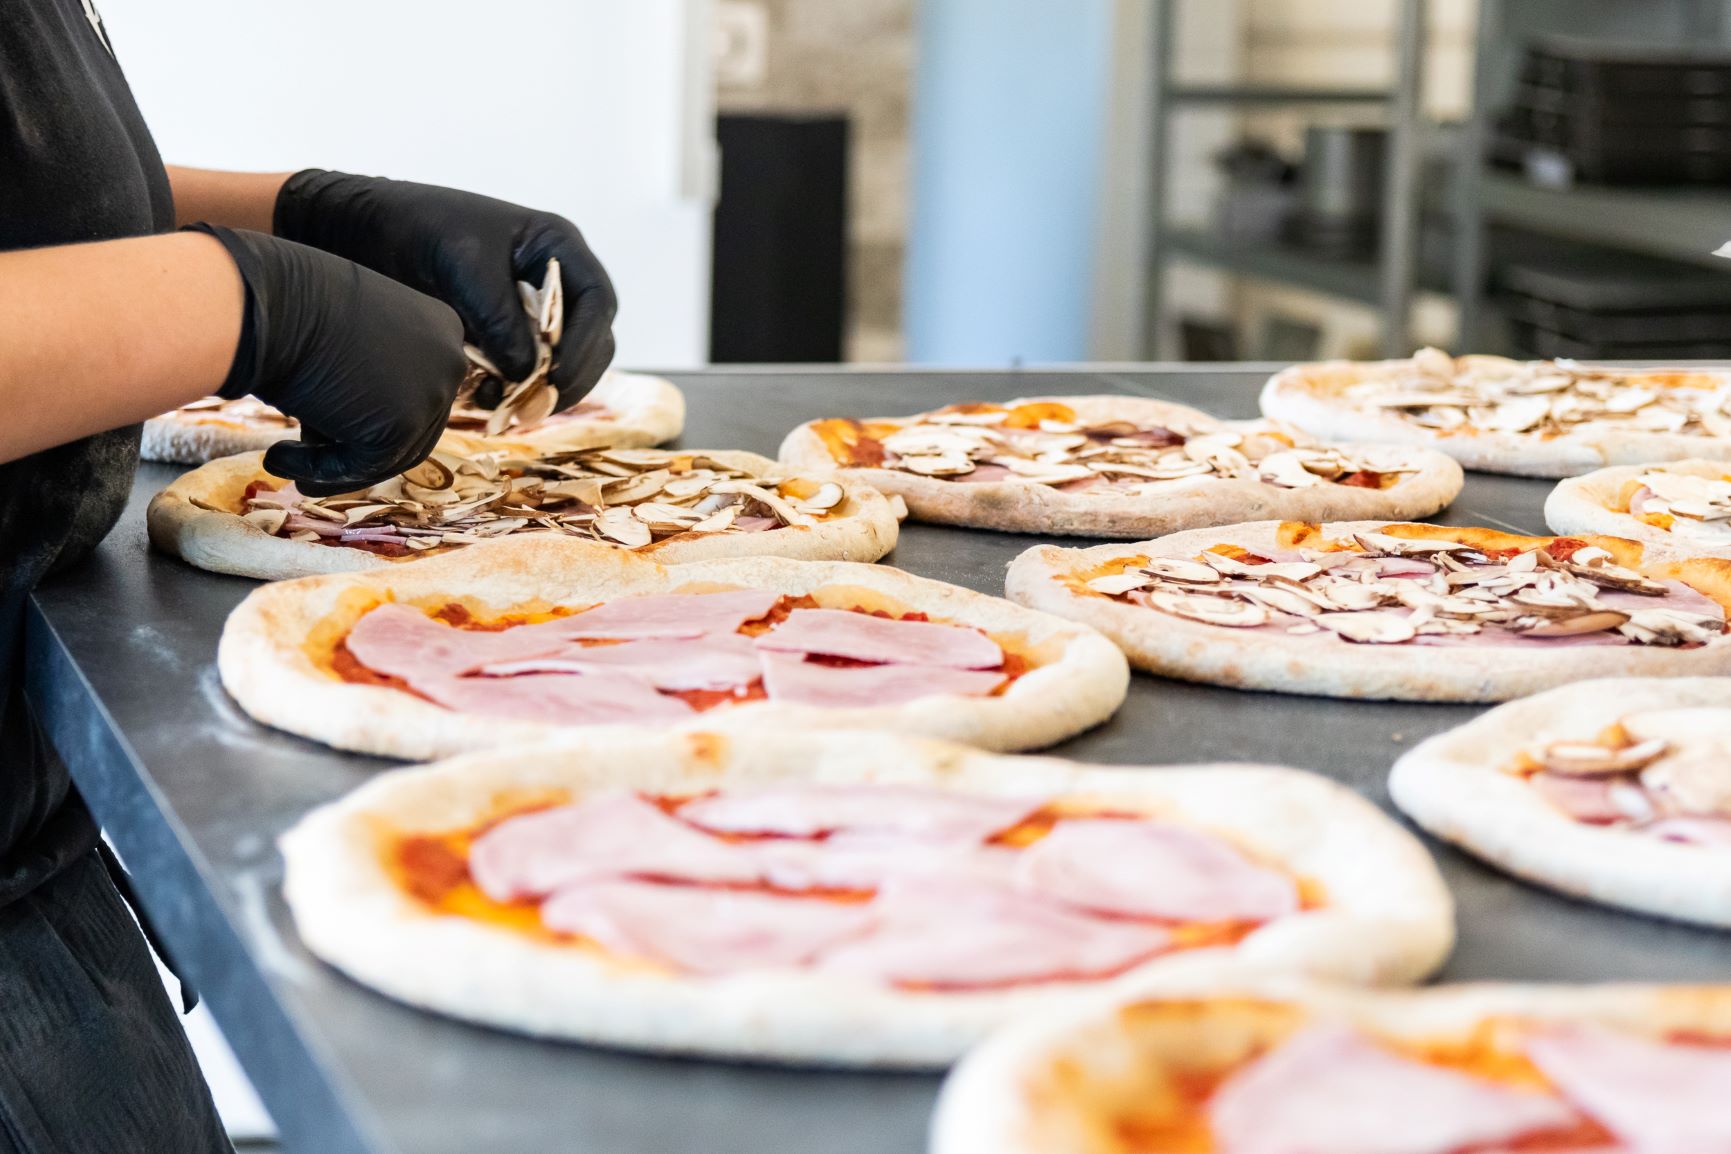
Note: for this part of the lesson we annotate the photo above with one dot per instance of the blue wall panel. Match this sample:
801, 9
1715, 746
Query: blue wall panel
1010, 107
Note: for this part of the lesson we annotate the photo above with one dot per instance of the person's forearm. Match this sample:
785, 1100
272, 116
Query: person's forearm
234, 199
96, 336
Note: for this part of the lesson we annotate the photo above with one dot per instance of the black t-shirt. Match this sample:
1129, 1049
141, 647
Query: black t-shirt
76, 164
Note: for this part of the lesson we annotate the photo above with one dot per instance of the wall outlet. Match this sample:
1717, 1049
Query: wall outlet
741, 44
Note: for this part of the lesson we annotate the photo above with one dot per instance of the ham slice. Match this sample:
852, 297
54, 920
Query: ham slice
591, 699
703, 931
955, 932
670, 614
811, 810
870, 861
1330, 1090
985, 473
404, 642
791, 678
1153, 870
862, 637
713, 661
1658, 1098
1583, 798
606, 836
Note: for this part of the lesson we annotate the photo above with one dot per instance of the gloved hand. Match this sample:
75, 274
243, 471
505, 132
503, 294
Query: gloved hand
370, 368
469, 251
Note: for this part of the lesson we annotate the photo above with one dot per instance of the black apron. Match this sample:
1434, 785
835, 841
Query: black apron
92, 1060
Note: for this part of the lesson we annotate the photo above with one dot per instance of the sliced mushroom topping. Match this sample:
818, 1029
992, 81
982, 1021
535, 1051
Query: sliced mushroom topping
828, 496
269, 520
616, 495
619, 524
1182, 571
1671, 627
1209, 610
1369, 628
1614, 577
1385, 593
1117, 584
950, 444
1695, 779
1540, 398
1288, 470
937, 466
1590, 759
1596, 622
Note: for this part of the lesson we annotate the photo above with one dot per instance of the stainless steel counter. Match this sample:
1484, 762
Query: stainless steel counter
193, 793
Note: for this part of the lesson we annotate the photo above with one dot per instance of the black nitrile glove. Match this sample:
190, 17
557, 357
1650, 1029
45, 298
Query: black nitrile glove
469, 251
369, 368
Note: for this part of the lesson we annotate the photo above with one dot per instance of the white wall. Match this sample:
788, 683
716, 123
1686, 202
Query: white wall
601, 110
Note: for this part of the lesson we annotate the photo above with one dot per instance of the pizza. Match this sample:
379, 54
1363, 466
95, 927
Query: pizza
527, 638
230, 516
1681, 506
1529, 418
1618, 791
1282, 1068
1399, 611
840, 898
209, 428
1116, 466
624, 410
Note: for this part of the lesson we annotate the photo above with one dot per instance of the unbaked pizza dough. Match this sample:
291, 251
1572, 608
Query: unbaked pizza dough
1680, 507
1532, 419
1117, 466
230, 516
1280, 1067
1616, 791
624, 410
857, 899
524, 639
1398, 611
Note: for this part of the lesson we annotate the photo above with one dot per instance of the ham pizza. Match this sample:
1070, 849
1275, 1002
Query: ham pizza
840, 898
624, 410
230, 516
1616, 791
1117, 466
1529, 418
526, 638
1285, 1069
1396, 611
1679, 507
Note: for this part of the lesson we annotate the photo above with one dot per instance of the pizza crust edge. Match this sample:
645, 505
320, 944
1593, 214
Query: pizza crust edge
1580, 505
1454, 785
1394, 923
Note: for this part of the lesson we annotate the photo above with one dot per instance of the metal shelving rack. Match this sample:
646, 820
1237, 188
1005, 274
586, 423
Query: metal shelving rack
1390, 280
1680, 223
